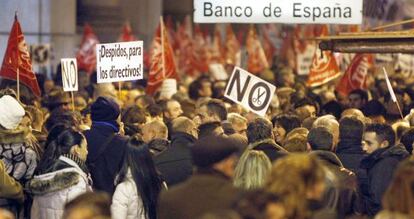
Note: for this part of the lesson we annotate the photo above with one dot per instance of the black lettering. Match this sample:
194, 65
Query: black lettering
327, 12
295, 9
219, 12
268, 10
248, 11
236, 79
65, 73
263, 103
316, 13
240, 13
306, 11
347, 12
74, 75
228, 11
337, 12
277, 12
207, 8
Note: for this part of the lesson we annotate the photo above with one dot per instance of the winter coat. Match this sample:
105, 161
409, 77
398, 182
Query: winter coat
380, 166
19, 159
270, 148
175, 163
106, 151
52, 190
126, 202
341, 191
156, 146
205, 191
9, 188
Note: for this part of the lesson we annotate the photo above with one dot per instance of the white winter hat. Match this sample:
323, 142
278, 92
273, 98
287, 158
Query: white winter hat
11, 112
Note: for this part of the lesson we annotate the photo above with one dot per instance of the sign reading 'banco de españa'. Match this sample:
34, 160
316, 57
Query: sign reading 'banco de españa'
279, 11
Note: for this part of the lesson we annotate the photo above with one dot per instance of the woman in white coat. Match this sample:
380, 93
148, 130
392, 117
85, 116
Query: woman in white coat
60, 176
139, 185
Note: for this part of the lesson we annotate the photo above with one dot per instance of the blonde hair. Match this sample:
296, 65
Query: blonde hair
293, 178
252, 170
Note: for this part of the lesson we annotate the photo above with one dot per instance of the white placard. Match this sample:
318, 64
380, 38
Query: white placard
119, 61
218, 72
69, 74
305, 59
249, 91
168, 88
282, 11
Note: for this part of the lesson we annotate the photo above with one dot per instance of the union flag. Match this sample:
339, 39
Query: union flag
127, 35
86, 56
17, 60
257, 61
162, 60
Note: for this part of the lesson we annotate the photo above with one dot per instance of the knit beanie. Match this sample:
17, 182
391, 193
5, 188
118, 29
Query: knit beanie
11, 112
212, 149
104, 109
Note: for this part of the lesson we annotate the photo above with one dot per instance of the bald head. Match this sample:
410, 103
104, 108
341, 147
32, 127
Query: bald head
153, 130
184, 124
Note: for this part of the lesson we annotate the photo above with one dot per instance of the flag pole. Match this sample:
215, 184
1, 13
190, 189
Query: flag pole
162, 45
392, 94
73, 101
18, 63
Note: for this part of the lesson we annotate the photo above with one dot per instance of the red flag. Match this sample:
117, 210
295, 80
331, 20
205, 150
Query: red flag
355, 75
86, 56
324, 67
217, 50
17, 60
185, 52
127, 35
162, 60
201, 53
268, 46
257, 61
232, 47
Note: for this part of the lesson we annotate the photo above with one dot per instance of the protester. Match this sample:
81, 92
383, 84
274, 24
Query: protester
155, 134
252, 170
105, 146
260, 137
210, 188
380, 164
357, 98
60, 176
175, 163
89, 205
139, 185
283, 124
11, 191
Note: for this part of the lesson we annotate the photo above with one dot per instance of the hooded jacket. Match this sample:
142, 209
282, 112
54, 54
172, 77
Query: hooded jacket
380, 166
19, 159
52, 190
270, 148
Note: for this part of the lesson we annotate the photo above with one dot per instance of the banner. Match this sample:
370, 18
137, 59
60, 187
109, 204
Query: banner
86, 56
40, 54
355, 75
69, 74
119, 61
270, 11
250, 91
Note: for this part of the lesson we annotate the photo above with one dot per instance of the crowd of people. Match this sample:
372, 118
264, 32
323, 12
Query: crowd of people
116, 152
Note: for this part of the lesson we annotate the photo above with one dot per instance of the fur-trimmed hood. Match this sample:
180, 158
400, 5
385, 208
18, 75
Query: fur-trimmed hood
18, 135
53, 182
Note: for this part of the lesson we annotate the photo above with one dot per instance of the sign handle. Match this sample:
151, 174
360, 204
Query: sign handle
399, 109
73, 101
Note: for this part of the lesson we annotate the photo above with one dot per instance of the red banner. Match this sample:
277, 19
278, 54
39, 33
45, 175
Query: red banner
17, 60
355, 75
86, 56
257, 61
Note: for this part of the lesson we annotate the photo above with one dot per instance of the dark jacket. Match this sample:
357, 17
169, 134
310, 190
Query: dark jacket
270, 148
175, 163
350, 153
203, 192
341, 191
158, 145
380, 166
106, 151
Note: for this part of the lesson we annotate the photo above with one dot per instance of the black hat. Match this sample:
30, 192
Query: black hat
104, 109
212, 149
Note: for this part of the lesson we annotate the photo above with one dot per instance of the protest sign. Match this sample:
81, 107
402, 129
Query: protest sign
119, 61
69, 74
168, 88
40, 54
218, 72
249, 91
269, 11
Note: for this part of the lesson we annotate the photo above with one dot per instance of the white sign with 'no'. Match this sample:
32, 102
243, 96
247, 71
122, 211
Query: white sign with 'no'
69, 74
249, 91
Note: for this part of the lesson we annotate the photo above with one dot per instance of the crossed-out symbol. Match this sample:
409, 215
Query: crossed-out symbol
257, 98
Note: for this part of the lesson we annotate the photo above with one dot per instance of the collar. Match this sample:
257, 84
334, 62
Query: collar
108, 124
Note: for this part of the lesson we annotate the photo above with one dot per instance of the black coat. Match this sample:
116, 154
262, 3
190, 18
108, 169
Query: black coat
341, 192
104, 163
270, 148
175, 163
380, 166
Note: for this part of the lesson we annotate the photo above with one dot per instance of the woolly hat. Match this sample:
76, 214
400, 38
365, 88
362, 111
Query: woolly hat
11, 112
104, 109
212, 149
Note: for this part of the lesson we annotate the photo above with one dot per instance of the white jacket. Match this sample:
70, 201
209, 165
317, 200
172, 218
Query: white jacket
126, 203
53, 190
